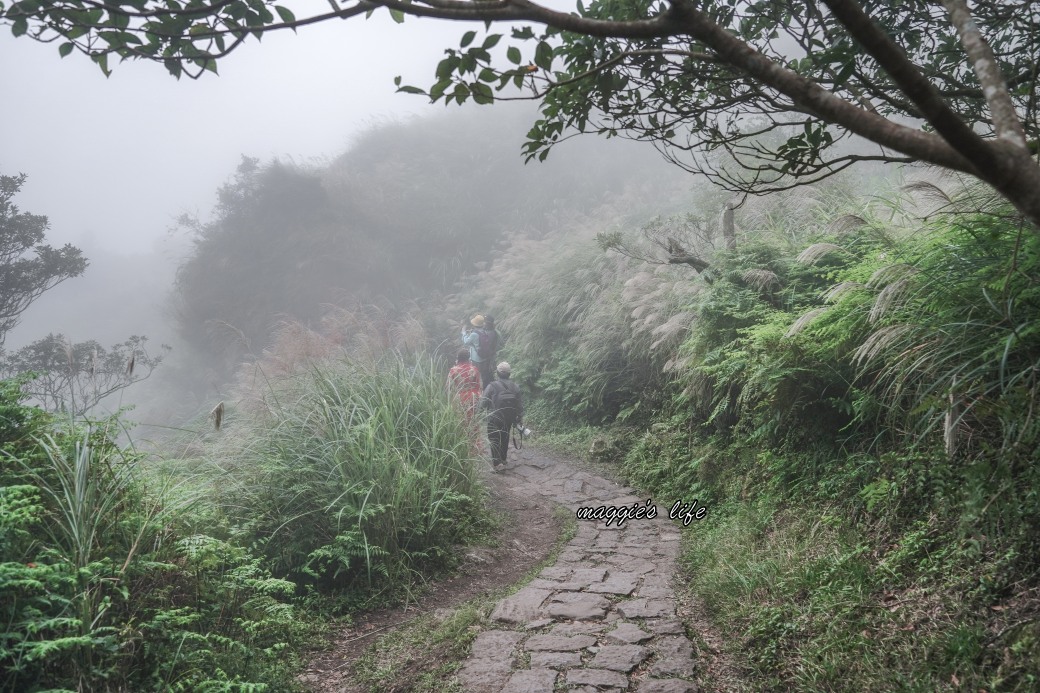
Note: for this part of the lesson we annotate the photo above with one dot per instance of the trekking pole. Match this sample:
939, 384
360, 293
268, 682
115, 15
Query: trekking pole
518, 437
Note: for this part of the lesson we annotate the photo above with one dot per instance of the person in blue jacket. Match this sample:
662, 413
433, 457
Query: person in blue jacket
471, 339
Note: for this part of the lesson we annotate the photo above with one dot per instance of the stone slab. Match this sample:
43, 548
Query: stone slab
588, 576
484, 675
523, 606
558, 643
618, 583
493, 644
578, 606
540, 623
623, 658
629, 633
666, 686
578, 628
555, 660
556, 572
600, 678
674, 657
646, 608
531, 681
666, 626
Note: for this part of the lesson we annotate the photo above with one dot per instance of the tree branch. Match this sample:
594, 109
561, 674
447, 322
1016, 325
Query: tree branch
1002, 110
523, 10
825, 104
915, 85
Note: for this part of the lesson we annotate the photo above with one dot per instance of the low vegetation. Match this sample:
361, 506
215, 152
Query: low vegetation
851, 390
338, 481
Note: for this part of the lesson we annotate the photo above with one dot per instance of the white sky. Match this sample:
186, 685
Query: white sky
113, 161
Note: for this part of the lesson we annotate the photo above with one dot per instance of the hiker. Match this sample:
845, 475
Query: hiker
490, 341
505, 407
471, 339
465, 384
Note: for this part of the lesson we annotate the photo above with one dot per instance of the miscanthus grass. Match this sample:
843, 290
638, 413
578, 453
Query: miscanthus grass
353, 473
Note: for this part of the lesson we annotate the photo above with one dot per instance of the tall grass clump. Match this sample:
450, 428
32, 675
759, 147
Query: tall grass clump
882, 386
353, 474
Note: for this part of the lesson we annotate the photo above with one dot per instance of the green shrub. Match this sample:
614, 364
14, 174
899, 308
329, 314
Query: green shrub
98, 593
353, 475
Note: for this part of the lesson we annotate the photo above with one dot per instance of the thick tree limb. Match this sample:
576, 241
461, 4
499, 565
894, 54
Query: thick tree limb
994, 89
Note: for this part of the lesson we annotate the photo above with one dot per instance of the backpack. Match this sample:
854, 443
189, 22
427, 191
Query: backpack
507, 404
485, 347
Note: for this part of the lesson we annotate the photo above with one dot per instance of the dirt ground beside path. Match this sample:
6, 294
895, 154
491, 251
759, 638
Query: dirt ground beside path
529, 532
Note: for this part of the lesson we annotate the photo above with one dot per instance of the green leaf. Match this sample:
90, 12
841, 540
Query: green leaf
397, 16
513, 55
844, 74
467, 38
66, 48
173, 66
102, 61
19, 26
446, 67
482, 93
492, 41
438, 89
24, 7
543, 55
461, 93
285, 13
112, 38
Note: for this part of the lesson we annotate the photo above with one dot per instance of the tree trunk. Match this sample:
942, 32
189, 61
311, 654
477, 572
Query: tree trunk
729, 232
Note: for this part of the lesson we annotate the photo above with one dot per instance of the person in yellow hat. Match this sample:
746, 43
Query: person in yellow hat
471, 339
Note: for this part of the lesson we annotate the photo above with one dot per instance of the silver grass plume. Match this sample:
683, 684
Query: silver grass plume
929, 191
815, 252
887, 298
890, 273
803, 322
878, 342
846, 224
760, 279
834, 294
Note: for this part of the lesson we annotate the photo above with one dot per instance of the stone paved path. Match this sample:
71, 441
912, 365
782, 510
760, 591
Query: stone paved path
601, 619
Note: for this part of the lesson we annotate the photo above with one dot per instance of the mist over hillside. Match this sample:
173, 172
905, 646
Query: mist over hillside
398, 219
117, 296
401, 216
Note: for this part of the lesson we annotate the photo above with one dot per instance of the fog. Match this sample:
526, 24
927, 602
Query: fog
115, 162
116, 158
